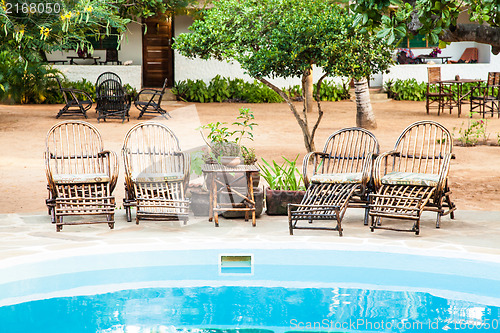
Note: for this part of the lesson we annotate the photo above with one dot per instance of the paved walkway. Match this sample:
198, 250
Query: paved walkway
31, 237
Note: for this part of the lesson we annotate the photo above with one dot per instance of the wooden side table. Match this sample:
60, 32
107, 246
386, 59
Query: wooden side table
248, 203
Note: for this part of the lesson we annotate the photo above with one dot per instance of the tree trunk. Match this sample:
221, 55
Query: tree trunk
364, 114
308, 89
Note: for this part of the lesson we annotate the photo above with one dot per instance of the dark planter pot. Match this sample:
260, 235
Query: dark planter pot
200, 202
258, 193
277, 200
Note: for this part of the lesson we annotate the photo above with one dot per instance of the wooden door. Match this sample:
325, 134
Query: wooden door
157, 53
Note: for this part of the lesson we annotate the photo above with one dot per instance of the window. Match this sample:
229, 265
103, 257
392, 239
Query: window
418, 41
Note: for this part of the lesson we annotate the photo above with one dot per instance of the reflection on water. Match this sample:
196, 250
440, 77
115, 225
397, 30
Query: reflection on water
220, 309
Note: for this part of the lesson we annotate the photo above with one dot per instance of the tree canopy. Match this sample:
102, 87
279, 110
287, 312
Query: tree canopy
436, 19
286, 38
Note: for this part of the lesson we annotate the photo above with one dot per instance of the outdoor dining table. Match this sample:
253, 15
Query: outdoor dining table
443, 59
460, 97
72, 58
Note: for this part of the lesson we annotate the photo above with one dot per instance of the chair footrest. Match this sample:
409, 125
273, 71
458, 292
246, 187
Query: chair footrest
400, 201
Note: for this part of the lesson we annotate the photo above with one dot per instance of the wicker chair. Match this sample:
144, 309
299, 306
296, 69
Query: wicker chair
340, 178
100, 79
156, 173
443, 97
487, 100
81, 174
78, 102
413, 177
111, 56
149, 101
114, 102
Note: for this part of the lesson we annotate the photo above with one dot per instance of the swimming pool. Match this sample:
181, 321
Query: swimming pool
279, 290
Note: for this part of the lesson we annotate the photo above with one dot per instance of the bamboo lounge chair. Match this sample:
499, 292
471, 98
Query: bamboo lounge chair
81, 174
340, 178
149, 101
156, 173
413, 177
78, 102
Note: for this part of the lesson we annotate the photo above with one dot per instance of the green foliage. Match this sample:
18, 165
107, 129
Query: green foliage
407, 90
284, 177
22, 81
330, 91
224, 89
435, 17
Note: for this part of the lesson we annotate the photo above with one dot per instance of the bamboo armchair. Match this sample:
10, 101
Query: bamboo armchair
114, 102
100, 79
156, 173
489, 96
149, 101
443, 97
340, 178
78, 102
413, 177
81, 175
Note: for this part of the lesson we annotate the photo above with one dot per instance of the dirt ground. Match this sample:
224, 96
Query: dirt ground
474, 174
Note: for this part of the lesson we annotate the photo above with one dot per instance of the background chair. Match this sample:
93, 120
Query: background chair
413, 177
406, 56
340, 173
149, 101
100, 79
470, 55
78, 102
111, 56
487, 99
81, 175
443, 97
156, 173
114, 102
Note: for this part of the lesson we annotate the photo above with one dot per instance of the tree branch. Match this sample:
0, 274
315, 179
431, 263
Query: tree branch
320, 111
474, 33
302, 123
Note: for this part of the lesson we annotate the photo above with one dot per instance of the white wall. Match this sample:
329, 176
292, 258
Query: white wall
131, 47
128, 74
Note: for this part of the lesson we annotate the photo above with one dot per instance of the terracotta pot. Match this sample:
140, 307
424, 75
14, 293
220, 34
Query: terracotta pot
231, 160
277, 200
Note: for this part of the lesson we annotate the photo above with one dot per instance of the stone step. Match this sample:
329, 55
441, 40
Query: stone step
376, 95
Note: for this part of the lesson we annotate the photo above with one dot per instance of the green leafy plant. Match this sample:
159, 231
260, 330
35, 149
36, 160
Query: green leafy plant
225, 142
284, 177
473, 133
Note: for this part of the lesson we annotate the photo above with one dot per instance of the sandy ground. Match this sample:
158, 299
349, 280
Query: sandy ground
474, 175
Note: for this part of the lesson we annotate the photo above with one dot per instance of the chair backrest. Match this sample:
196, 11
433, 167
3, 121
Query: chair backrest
422, 147
433, 74
111, 55
493, 79
152, 148
162, 91
112, 95
348, 149
63, 91
73, 147
107, 76
470, 55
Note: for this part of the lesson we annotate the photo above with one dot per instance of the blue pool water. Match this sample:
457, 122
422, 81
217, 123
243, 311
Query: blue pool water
277, 290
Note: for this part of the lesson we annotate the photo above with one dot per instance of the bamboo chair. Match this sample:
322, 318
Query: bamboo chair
488, 98
81, 174
340, 178
156, 173
149, 101
100, 79
413, 177
114, 102
78, 102
443, 97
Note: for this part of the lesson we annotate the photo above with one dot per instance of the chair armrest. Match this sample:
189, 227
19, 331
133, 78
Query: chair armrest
112, 166
443, 174
380, 166
305, 164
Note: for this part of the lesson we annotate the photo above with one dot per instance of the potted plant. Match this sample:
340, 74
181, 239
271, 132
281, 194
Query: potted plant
285, 185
